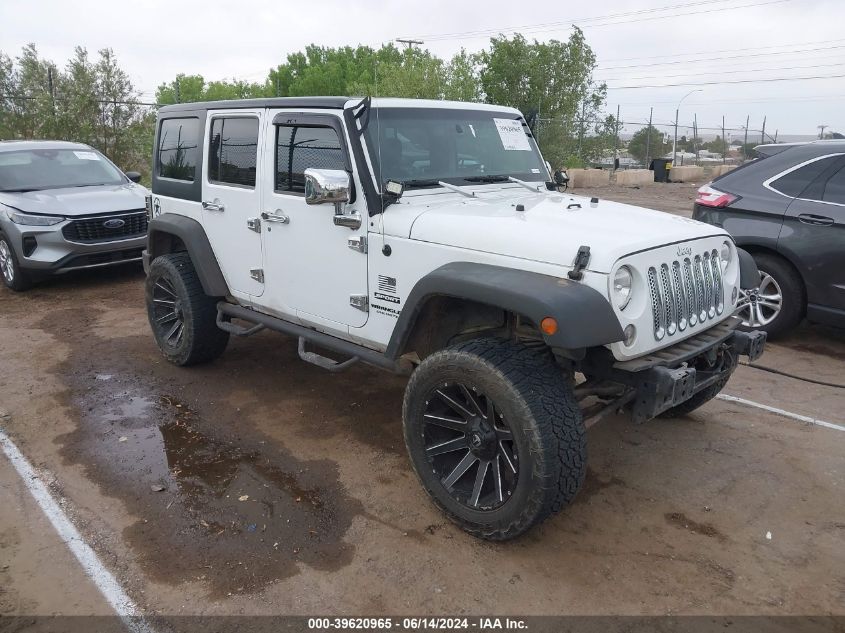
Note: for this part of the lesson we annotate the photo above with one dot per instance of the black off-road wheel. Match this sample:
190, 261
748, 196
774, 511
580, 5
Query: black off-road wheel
698, 399
495, 435
13, 275
182, 317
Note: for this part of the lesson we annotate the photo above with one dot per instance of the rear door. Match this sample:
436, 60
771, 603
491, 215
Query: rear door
230, 198
813, 234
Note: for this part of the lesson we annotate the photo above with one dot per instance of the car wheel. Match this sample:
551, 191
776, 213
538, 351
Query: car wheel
13, 276
778, 304
183, 318
495, 435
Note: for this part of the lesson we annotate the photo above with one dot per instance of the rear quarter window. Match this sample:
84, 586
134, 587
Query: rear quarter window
177, 151
796, 181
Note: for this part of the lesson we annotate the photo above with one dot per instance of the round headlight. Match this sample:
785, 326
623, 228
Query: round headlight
622, 282
726, 254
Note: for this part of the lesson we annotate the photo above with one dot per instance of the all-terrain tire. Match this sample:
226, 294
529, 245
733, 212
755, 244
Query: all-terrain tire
793, 302
540, 409
698, 399
199, 340
20, 280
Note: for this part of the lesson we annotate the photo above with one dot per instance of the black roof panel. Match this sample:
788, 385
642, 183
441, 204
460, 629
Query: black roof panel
330, 103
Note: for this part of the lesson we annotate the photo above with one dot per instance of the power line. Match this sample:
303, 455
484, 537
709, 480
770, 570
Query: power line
736, 81
564, 22
637, 16
727, 50
722, 72
716, 59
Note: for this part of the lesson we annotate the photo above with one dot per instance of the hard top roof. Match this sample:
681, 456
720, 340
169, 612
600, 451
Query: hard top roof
328, 103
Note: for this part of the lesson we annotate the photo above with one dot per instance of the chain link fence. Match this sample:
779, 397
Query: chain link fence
633, 144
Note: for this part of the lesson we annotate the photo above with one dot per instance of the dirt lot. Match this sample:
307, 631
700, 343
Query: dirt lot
260, 484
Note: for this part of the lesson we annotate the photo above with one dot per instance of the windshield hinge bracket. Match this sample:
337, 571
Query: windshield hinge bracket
582, 258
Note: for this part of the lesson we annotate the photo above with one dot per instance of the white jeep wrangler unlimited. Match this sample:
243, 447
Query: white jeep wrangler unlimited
429, 238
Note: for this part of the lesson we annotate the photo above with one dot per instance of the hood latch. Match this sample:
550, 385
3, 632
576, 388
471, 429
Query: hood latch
582, 258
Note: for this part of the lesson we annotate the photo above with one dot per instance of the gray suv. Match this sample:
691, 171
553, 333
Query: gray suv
787, 209
65, 206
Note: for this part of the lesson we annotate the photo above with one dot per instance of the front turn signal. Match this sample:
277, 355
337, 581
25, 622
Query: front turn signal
548, 326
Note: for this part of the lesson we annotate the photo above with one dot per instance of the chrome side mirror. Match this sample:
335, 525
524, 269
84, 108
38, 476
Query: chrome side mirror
326, 186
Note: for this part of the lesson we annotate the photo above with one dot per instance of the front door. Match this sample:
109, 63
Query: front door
311, 272
814, 233
231, 197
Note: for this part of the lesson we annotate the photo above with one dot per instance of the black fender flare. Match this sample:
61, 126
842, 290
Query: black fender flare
749, 276
193, 236
585, 317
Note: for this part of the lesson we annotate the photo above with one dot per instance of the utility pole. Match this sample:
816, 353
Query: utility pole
763, 132
821, 131
695, 135
616, 140
409, 43
648, 137
51, 89
675, 139
745, 142
178, 94
724, 141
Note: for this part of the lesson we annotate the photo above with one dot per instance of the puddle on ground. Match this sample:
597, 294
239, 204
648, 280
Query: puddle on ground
213, 500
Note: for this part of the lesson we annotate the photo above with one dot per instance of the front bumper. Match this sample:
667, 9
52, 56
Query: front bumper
45, 250
675, 374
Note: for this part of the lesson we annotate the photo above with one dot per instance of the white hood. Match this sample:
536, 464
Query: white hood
550, 229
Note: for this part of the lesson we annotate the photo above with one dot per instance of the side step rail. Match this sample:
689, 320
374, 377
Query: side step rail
321, 361
237, 330
326, 341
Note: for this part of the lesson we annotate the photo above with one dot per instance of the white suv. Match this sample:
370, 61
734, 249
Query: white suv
429, 238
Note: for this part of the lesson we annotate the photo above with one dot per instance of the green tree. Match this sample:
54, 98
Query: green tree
461, 81
89, 102
554, 80
646, 143
718, 145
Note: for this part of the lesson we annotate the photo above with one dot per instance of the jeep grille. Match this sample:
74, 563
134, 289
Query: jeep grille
685, 292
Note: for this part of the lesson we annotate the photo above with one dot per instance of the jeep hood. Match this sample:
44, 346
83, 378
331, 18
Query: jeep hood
75, 201
550, 229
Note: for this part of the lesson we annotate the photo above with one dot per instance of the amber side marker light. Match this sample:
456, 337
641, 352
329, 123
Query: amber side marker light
549, 326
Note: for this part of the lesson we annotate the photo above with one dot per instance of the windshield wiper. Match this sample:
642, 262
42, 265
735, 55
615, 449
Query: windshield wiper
18, 190
490, 178
421, 182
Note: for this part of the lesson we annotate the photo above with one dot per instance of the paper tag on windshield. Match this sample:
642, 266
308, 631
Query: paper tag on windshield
87, 155
512, 135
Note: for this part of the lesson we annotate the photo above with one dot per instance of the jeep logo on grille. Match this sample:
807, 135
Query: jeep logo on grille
114, 223
684, 250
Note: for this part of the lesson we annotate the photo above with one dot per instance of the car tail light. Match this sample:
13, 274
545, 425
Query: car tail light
710, 197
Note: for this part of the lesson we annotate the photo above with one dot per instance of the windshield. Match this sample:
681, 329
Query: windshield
36, 169
419, 146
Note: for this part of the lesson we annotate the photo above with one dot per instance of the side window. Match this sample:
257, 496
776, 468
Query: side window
834, 189
793, 183
233, 151
299, 147
177, 149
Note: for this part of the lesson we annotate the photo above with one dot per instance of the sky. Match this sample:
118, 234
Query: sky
647, 44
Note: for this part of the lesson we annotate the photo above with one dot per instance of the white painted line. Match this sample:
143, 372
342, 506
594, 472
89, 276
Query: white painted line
786, 414
94, 568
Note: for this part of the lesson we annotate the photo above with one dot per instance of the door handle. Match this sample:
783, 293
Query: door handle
214, 205
816, 220
276, 216
349, 220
